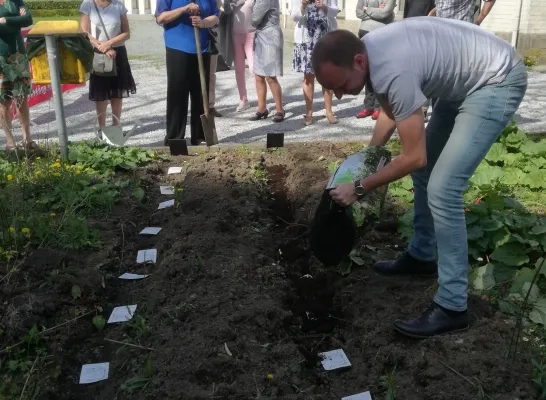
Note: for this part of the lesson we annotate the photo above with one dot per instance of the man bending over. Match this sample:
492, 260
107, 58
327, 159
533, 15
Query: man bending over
479, 81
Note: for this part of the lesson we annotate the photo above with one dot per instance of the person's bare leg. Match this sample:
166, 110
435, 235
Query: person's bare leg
117, 106
261, 91
23, 114
101, 112
5, 123
308, 93
328, 98
276, 91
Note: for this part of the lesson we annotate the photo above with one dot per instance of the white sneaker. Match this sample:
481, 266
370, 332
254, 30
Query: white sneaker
243, 105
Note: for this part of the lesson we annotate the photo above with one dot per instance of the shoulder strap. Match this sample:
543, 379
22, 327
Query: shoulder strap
101, 21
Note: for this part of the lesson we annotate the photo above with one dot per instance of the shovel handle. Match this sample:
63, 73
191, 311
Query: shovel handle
204, 93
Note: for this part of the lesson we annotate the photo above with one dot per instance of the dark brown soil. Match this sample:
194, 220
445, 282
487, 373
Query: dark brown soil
235, 275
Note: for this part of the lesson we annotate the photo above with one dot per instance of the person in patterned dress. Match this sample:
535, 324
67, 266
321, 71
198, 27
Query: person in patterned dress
313, 20
15, 83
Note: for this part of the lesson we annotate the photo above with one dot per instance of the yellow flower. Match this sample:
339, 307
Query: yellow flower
10, 177
269, 376
58, 160
55, 165
38, 158
87, 169
26, 231
56, 174
37, 172
93, 188
11, 229
78, 172
179, 189
52, 214
152, 155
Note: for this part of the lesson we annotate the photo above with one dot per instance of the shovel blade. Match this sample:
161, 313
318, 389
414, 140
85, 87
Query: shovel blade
209, 129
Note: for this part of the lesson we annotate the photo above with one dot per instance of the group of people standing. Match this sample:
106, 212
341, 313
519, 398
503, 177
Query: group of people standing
238, 30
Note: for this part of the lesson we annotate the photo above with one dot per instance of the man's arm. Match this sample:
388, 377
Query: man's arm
384, 127
486, 9
414, 154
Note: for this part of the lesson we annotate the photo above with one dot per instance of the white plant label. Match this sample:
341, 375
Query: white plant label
359, 396
150, 231
165, 204
122, 314
174, 170
92, 373
334, 359
167, 190
145, 256
130, 276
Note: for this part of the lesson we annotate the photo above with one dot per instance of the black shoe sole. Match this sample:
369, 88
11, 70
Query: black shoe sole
421, 337
427, 276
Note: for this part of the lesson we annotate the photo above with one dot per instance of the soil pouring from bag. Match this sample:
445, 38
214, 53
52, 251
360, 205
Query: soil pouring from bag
237, 307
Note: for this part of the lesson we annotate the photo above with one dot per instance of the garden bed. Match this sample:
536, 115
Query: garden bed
236, 306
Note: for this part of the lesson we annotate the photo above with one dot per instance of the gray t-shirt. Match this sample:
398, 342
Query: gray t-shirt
111, 17
421, 58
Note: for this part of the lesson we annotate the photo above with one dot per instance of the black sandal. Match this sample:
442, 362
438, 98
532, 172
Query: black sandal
279, 116
259, 115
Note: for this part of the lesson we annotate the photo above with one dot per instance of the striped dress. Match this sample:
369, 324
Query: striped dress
268, 39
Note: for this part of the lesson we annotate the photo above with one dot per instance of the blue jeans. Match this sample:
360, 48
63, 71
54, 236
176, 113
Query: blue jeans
459, 135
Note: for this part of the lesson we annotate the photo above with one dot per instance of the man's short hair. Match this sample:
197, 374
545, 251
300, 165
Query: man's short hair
337, 47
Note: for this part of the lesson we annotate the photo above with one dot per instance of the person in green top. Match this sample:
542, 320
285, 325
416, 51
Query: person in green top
14, 70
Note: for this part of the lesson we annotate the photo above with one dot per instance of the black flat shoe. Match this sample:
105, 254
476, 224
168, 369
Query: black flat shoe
279, 116
406, 265
259, 115
434, 321
197, 142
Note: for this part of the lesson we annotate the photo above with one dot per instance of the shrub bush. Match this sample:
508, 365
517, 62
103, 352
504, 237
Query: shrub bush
53, 5
55, 13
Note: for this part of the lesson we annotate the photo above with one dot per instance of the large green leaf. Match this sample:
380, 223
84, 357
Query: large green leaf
474, 232
516, 139
538, 314
538, 229
536, 179
486, 175
523, 277
496, 153
500, 237
531, 147
511, 254
503, 273
490, 225
484, 278
513, 176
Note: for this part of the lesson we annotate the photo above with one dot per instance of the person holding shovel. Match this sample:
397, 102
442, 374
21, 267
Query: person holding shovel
178, 18
478, 93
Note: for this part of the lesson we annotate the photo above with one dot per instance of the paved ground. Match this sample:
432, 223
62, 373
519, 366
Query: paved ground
148, 105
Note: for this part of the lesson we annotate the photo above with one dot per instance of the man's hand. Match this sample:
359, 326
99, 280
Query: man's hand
192, 9
22, 11
344, 194
382, 5
304, 4
2, 20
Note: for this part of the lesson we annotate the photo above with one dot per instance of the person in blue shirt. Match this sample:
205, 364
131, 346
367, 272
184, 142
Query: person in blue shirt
178, 18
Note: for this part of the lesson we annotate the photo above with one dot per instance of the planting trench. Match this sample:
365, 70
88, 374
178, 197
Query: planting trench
238, 308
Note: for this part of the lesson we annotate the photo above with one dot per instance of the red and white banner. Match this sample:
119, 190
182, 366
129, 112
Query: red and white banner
41, 93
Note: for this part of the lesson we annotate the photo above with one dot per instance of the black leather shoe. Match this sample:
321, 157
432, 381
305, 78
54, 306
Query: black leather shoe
434, 321
406, 265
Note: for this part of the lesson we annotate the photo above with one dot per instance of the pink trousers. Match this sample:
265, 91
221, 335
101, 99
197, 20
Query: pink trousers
243, 45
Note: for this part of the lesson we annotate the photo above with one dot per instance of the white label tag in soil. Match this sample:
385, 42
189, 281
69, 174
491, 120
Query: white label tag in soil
151, 230
165, 204
144, 256
174, 170
359, 396
167, 190
92, 373
130, 276
122, 314
334, 359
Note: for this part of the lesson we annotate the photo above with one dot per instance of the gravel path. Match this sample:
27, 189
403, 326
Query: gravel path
147, 54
